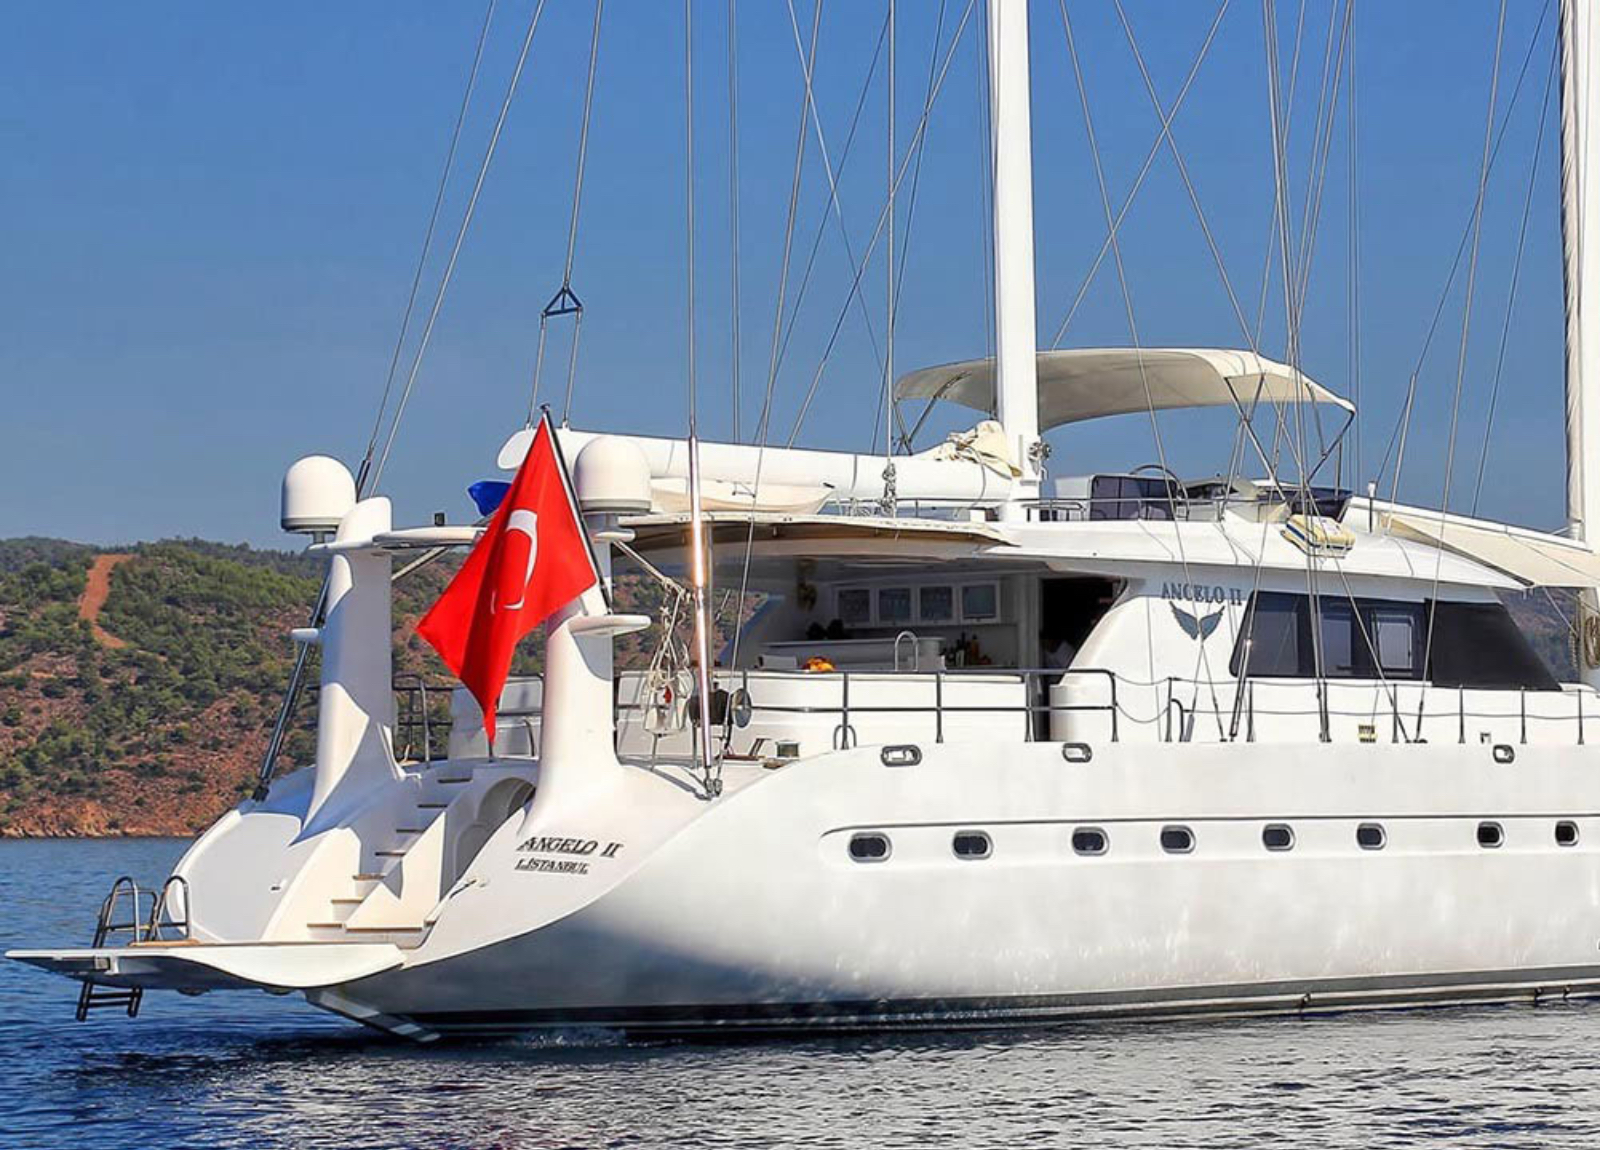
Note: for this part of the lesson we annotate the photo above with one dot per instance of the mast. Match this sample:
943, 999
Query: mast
1580, 206
1016, 369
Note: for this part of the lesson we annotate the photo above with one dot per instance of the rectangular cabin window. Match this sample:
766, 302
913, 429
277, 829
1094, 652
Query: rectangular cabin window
1341, 637
1479, 645
1369, 639
894, 605
855, 606
1272, 632
936, 604
980, 602
1474, 644
1395, 635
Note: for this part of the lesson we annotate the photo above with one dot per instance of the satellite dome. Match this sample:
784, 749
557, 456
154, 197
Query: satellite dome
612, 475
317, 494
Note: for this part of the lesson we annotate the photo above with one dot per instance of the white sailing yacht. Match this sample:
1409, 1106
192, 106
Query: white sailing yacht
995, 748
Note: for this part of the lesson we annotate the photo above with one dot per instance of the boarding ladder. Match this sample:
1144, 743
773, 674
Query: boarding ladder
122, 914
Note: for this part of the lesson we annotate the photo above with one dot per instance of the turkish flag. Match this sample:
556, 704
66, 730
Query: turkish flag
533, 559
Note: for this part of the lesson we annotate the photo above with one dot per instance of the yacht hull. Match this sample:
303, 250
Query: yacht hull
753, 916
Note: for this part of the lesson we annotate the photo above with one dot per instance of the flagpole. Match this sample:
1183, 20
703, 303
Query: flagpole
702, 625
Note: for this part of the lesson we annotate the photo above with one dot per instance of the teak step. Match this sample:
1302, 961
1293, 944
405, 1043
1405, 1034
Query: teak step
327, 926
389, 854
385, 929
367, 877
350, 901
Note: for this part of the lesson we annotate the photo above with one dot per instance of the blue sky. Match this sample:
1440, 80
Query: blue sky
214, 211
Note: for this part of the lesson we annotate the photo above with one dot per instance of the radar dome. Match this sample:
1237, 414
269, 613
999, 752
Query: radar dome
612, 476
317, 494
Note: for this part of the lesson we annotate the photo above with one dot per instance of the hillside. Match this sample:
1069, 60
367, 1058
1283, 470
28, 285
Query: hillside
137, 686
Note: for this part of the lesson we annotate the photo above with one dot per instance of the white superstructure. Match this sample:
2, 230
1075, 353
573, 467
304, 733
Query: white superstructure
985, 749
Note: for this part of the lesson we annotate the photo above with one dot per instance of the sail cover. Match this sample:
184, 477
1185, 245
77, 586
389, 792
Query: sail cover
1537, 559
1087, 383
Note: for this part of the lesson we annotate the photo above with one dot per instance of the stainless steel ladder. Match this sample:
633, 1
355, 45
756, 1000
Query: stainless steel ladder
127, 900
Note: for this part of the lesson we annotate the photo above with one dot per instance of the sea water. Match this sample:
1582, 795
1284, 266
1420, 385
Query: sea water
252, 1070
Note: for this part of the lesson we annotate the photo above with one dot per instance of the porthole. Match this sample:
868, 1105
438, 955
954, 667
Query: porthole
870, 847
971, 845
1277, 837
1566, 834
1490, 834
1089, 841
1177, 840
1370, 836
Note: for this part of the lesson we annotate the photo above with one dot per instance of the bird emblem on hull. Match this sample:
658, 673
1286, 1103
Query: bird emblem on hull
1197, 627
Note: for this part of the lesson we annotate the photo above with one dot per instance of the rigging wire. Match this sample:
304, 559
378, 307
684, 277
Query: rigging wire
461, 235
565, 302
1403, 419
736, 351
821, 230
1270, 256
1353, 279
911, 211
1516, 279
297, 674
877, 231
788, 237
1466, 324
833, 205
1202, 659
1292, 313
889, 285
1167, 116
427, 247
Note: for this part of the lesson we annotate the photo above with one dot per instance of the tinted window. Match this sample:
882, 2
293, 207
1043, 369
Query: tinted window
1129, 497
1366, 639
1089, 841
1272, 633
1566, 834
869, 847
1277, 837
1478, 645
1370, 836
855, 606
1177, 840
971, 845
1490, 835
894, 605
1341, 638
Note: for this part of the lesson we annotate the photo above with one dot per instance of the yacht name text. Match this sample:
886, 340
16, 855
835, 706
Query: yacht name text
580, 850
1201, 593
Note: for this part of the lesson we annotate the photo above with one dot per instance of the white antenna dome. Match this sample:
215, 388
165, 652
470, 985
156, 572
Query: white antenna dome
612, 476
317, 494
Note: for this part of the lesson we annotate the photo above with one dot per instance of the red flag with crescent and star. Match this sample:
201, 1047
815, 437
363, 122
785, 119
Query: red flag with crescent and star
532, 560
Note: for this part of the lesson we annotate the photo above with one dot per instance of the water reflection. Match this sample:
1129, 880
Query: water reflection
248, 1070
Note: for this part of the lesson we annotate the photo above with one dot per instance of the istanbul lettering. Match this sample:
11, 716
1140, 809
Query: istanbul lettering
578, 850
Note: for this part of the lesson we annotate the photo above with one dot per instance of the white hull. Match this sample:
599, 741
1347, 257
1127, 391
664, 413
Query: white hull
753, 915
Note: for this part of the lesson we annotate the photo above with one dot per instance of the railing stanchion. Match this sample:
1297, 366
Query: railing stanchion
1461, 712
1522, 699
938, 706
